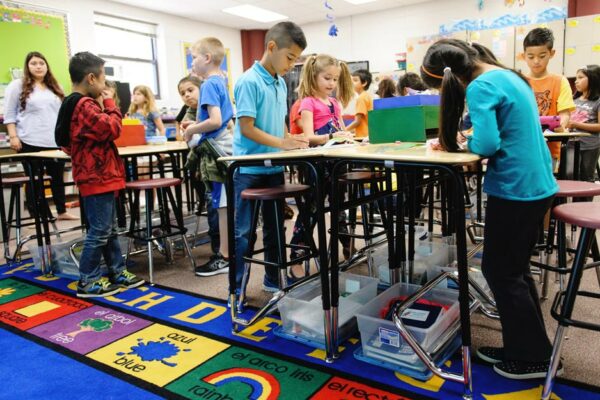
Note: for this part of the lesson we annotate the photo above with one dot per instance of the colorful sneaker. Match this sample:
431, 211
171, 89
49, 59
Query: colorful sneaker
100, 288
492, 355
216, 265
126, 280
244, 304
525, 370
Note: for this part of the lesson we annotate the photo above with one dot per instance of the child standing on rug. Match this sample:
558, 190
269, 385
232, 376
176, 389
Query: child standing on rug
88, 123
143, 107
519, 184
260, 96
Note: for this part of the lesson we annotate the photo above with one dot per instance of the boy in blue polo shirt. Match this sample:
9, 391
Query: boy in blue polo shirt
261, 101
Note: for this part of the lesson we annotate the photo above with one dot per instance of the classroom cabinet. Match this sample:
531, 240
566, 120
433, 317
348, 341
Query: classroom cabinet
582, 43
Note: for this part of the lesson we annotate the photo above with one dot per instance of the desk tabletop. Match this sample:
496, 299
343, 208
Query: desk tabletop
409, 152
565, 135
146, 149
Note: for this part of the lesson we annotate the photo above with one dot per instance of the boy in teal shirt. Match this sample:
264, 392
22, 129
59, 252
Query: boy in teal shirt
261, 101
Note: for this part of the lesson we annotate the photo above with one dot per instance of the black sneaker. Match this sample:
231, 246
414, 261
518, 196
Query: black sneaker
126, 280
216, 265
100, 288
525, 370
492, 355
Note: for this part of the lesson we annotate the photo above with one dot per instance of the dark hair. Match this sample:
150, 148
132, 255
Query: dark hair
29, 82
539, 37
286, 34
386, 88
592, 72
410, 80
194, 80
449, 64
364, 76
84, 63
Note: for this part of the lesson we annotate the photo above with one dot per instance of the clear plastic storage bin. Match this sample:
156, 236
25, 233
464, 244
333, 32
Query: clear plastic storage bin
382, 341
302, 308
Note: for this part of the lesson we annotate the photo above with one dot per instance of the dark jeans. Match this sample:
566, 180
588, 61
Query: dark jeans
205, 200
243, 223
101, 238
55, 169
511, 230
588, 159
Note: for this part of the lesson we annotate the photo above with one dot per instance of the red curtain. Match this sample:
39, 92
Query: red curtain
253, 46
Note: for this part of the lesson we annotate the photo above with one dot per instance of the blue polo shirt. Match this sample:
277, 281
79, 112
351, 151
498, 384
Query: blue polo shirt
213, 92
506, 128
263, 97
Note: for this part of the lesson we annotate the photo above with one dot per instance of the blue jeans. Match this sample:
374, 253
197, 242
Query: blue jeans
243, 223
101, 238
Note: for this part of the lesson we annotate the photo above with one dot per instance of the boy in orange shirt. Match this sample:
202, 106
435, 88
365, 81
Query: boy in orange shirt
362, 80
552, 92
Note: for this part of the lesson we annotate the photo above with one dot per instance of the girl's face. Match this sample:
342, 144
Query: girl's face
138, 98
37, 68
189, 94
327, 80
581, 82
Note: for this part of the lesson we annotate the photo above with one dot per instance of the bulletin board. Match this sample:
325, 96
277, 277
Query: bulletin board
225, 65
500, 41
33, 29
582, 43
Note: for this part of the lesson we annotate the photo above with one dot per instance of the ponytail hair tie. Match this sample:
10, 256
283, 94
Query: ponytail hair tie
447, 70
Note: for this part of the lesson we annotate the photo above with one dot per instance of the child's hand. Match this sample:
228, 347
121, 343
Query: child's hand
344, 135
294, 142
185, 124
108, 93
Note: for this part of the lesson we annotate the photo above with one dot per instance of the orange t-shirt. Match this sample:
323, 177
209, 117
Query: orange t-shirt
552, 97
364, 104
294, 117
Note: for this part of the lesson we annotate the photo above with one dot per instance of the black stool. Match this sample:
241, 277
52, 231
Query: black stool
16, 184
566, 189
147, 233
356, 182
585, 215
273, 197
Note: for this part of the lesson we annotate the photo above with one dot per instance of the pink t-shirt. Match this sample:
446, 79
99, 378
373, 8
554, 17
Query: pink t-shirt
321, 112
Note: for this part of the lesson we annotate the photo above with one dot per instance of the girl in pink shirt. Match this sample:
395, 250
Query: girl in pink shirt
320, 112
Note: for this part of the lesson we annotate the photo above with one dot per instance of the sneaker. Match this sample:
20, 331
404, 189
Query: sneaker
244, 304
525, 370
100, 288
271, 287
492, 355
126, 280
216, 265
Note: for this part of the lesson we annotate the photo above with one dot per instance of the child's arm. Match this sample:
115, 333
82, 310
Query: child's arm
248, 129
357, 121
565, 103
565, 117
584, 126
100, 126
213, 122
159, 124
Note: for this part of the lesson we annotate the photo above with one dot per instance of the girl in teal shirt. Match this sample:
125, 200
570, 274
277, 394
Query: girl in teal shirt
519, 184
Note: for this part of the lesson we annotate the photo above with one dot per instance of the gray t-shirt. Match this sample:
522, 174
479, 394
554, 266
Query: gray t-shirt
587, 112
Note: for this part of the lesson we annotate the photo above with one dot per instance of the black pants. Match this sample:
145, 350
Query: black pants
55, 170
511, 230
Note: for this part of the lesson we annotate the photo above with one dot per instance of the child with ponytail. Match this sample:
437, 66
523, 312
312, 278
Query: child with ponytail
518, 182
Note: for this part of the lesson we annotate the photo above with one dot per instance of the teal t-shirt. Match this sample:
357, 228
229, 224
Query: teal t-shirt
506, 129
263, 97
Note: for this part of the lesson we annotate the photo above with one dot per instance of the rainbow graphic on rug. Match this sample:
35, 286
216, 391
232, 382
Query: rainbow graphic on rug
160, 342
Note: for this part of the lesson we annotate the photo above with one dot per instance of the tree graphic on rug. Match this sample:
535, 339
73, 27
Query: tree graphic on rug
155, 351
92, 324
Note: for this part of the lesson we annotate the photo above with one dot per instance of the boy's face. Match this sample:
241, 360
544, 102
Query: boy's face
189, 94
283, 59
201, 63
359, 87
537, 58
96, 83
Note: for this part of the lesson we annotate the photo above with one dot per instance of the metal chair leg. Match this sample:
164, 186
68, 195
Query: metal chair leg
554, 362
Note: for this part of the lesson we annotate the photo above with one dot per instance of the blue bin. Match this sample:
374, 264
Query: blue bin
406, 101
170, 132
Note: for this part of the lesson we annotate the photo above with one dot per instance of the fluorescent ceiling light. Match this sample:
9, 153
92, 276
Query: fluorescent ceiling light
359, 1
255, 13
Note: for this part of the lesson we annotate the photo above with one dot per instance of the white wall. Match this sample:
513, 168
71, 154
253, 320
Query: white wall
172, 31
378, 36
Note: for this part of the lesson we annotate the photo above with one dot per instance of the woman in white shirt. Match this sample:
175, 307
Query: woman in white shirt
31, 110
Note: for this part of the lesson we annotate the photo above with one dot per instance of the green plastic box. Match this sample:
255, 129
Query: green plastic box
406, 124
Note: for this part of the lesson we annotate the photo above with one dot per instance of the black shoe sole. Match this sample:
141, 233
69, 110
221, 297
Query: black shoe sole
533, 375
131, 286
90, 295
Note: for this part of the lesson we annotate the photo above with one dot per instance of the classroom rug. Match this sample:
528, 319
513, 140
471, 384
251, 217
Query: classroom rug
157, 342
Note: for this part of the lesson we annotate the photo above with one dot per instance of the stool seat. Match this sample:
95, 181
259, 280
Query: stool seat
361, 177
577, 189
584, 214
153, 183
18, 180
275, 192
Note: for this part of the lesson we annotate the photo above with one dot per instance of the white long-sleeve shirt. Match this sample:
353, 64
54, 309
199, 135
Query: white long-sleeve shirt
35, 125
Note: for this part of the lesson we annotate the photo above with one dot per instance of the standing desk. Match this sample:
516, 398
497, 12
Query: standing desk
392, 156
175, 149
